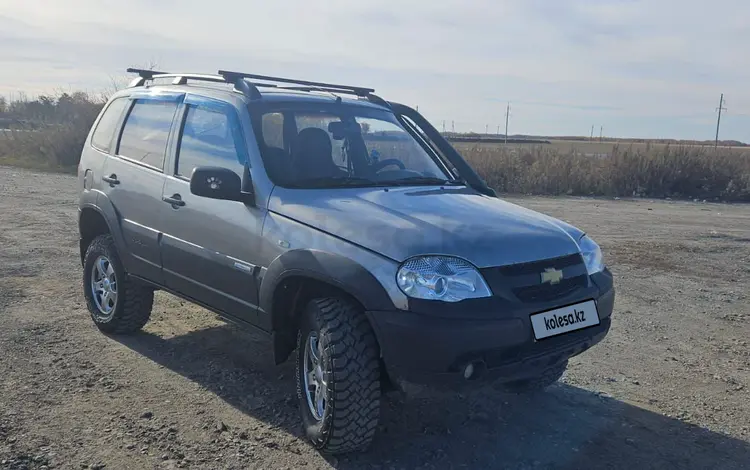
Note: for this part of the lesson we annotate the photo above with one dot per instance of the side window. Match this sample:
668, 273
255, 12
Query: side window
273, 130
209, 137
105, 129
146, 131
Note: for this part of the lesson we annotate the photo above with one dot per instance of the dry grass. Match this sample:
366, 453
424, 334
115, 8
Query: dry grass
594, 147
665, 171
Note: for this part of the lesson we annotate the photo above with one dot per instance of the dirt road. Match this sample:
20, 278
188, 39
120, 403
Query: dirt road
668, 388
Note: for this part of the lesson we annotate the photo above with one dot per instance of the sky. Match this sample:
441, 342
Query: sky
637, 68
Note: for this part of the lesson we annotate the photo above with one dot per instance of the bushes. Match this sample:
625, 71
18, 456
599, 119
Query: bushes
48, 132
679, 172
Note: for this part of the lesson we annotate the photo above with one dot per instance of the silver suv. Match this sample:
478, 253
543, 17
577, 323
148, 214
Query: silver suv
343, 226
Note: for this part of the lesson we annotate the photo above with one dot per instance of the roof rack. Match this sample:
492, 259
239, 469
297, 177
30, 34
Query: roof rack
250, 89
318, 86
240, 84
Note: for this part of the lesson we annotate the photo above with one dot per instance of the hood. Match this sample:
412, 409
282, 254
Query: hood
407, 221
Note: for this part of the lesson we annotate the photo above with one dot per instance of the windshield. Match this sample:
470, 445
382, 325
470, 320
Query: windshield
316, 146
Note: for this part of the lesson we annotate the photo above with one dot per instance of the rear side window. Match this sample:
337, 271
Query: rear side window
105, 129
146, 131
210, 137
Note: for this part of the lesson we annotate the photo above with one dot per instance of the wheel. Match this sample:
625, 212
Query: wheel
538, 383
338, 376
117, 304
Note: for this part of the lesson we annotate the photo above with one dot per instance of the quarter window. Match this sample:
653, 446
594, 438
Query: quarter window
144, 137
105, 129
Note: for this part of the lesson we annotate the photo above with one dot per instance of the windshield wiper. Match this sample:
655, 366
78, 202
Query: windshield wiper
421, 180
331, 182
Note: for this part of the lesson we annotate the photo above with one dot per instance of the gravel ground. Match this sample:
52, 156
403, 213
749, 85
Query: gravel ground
668, 388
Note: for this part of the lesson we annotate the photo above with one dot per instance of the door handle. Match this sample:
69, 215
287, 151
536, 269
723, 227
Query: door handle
111, 179
175, 200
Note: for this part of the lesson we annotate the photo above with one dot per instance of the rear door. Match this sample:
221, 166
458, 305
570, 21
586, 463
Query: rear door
210, 247
133, 179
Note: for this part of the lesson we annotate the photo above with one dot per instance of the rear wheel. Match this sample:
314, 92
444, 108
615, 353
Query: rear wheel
117, 303
538, 383
338, 376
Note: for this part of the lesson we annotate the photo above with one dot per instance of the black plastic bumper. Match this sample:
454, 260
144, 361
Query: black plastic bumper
432, 349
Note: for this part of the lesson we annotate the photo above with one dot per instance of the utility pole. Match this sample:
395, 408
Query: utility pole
453, 126
592, 132
507, 116
718, 120
601, 130
443, 126
486, 129
498, 129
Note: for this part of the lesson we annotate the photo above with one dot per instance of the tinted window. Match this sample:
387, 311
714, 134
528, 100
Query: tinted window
144, 137
102, 138
210, 137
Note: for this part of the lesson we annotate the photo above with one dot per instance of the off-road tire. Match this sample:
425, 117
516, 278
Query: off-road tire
352, 373
538, 383
134, 300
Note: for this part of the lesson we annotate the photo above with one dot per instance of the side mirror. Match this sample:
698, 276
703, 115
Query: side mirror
218, 183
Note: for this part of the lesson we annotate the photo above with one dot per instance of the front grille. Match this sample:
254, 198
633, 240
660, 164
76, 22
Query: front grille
546, 292
536, 267
523, 281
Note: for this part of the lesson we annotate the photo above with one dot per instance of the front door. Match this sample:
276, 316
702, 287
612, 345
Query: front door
133, 179
209, 246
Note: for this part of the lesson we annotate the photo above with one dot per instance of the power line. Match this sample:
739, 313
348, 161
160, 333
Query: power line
718, 120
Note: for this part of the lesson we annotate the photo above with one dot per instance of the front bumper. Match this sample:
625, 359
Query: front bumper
495, 336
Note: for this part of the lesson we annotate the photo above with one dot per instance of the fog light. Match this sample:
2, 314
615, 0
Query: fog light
468, 371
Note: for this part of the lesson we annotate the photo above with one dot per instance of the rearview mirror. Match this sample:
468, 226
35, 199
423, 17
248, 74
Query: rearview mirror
339, 130
218, 183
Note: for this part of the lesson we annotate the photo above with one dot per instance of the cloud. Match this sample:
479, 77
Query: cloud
565, 64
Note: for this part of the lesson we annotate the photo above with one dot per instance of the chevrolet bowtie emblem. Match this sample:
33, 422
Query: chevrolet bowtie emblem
552, 275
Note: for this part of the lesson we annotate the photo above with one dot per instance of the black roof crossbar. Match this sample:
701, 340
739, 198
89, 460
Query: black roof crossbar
146, 74
241, 85
250, 89
319, 86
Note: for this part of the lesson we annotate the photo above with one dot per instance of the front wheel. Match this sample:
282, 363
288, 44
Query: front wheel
338, 376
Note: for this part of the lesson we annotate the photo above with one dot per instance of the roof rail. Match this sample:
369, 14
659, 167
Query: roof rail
318, 86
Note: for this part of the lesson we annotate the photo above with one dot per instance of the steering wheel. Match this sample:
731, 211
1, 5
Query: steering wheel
376, 167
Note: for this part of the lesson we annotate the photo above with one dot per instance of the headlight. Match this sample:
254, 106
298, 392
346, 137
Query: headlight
592, 255
441, 278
